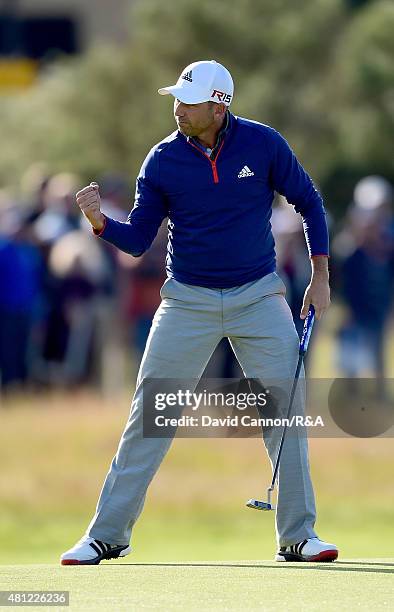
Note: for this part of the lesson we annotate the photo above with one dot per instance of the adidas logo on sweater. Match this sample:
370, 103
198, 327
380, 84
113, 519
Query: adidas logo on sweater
246, 171
188, 76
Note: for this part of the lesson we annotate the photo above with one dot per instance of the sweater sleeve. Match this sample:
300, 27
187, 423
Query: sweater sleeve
135, 235
290, 180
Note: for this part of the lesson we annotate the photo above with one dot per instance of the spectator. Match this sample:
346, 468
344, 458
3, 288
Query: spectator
80, 272
142, 294
21, 270
365, 249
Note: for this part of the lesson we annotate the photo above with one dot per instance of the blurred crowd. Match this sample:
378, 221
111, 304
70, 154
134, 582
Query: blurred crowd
76, 311
70, 304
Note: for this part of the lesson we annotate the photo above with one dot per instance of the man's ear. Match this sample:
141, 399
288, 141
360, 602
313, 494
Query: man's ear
220, 109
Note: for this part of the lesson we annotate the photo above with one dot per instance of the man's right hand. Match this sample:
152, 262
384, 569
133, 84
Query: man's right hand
88, 200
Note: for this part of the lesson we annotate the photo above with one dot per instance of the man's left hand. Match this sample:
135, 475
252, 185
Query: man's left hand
318, 290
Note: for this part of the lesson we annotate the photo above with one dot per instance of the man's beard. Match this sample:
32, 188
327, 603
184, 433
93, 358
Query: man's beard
185, 129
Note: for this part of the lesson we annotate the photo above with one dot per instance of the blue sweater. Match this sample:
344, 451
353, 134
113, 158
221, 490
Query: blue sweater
219, 206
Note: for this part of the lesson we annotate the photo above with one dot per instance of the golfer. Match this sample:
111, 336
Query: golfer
214, 178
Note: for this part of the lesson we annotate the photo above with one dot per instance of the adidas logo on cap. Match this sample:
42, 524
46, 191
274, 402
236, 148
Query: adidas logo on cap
188, 76
246, 171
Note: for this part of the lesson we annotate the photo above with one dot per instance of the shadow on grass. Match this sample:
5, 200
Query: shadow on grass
337, 566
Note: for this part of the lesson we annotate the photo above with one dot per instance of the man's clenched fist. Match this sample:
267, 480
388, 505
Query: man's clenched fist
88, 200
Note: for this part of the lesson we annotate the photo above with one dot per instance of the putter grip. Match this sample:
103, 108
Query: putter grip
306, 333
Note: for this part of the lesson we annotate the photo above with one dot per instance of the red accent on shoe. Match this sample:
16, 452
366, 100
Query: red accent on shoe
325, 555
70, 562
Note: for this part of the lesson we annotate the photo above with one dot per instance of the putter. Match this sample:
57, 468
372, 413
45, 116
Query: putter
306, 334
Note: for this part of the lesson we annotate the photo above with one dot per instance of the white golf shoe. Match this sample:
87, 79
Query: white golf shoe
308, 550
89, 551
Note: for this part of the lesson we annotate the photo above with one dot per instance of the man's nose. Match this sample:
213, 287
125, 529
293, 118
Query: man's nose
179, 110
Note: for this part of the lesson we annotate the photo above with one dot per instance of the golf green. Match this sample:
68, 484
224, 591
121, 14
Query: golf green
359, 584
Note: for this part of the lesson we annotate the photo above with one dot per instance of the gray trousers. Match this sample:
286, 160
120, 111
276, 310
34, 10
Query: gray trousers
185, 331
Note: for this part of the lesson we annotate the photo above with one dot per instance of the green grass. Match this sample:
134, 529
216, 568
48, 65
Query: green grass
361, 584
54, 453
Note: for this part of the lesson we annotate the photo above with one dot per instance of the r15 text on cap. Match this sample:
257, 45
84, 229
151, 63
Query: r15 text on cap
221, 96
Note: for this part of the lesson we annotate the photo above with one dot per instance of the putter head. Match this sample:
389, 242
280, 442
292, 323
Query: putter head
259, 505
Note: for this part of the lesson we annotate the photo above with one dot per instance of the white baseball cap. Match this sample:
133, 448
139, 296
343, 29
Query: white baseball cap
205, 81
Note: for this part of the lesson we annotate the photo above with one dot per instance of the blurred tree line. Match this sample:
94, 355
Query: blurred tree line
316, 70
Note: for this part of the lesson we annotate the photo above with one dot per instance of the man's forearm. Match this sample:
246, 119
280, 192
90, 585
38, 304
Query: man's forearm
318, 290
133, 239
319, 265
